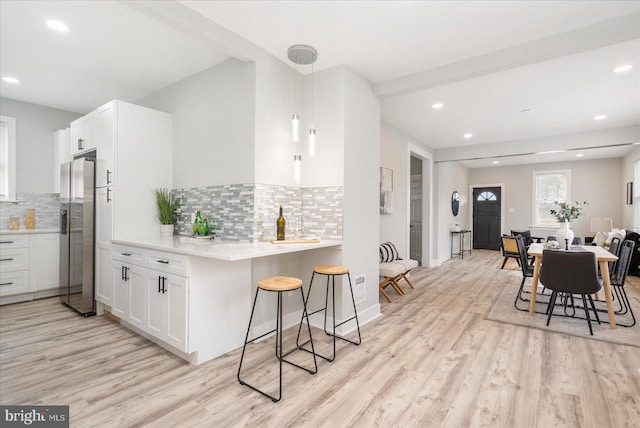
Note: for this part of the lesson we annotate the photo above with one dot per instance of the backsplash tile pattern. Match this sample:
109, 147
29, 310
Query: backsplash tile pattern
46, 205
248, 212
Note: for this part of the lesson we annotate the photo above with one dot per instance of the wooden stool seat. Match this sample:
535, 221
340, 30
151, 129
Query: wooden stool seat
331, 269
280, 283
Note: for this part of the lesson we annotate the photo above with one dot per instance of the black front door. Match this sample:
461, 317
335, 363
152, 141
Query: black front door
486, 218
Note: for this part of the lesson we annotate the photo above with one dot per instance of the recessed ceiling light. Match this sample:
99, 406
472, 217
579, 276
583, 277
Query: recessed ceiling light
437, 106
468, 135
622, 68
10, 79
495, 162
57, 25
579, 155
525, 110
600, 117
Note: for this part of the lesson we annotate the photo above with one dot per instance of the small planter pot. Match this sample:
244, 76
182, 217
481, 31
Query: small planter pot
166, 230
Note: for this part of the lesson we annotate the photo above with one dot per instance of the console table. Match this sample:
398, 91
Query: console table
460, 234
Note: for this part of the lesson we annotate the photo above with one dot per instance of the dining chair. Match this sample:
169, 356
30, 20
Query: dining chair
509, 249
571, 272
526, 264
619, 277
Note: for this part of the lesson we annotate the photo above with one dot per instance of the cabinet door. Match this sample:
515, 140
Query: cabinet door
121, 300
137, 296
156, 320
104, 215
105, 137
177, 312
83, 134
48, 261
104, 274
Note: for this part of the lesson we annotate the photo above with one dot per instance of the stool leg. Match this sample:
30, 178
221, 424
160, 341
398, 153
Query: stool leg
355, 311
298, 345
246, 338
279, 336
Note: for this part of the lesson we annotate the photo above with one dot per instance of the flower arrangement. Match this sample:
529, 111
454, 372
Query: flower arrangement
166, 205
568, 212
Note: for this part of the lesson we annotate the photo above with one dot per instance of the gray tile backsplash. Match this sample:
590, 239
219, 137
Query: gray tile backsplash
46, 205
248, 212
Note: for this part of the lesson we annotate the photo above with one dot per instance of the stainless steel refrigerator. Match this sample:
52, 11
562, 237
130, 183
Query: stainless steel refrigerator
77, 220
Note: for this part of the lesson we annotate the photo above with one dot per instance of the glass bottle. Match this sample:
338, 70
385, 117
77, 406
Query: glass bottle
206, 227
280, 226
196, 223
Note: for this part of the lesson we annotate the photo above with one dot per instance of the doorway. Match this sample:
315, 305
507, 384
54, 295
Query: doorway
487, 208
415, 208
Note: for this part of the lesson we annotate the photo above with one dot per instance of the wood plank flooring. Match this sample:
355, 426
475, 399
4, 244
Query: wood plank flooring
430, 360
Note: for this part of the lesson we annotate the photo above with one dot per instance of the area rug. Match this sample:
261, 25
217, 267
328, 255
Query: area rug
511, 264
503, 311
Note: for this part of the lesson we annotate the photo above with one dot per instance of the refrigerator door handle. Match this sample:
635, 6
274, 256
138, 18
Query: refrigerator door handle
63, 222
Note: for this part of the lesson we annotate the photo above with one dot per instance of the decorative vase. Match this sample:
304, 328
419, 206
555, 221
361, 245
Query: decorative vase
166, 230
564, 233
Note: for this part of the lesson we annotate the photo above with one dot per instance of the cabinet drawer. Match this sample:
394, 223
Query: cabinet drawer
14, 259
13, 241
14, 283
168, 263
128, 255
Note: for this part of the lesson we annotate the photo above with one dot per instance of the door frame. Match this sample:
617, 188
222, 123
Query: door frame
502, 205
427, 202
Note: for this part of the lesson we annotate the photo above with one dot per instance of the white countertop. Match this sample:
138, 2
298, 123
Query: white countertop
27, 231
225, 250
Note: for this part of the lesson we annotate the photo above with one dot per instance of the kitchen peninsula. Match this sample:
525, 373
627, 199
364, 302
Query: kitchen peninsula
194, 299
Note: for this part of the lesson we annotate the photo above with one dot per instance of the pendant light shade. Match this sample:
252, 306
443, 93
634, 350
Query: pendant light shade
297, 168
301, 55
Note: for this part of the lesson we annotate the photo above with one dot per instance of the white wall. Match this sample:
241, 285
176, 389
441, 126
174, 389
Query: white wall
35, 125
213, 125
599, 182
450, 176
361, 186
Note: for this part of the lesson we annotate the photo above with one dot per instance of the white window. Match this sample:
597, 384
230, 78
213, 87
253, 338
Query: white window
7, 158
549, 187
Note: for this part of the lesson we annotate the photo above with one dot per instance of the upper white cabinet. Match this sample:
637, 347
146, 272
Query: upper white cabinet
61, 154
83, 134
133, 158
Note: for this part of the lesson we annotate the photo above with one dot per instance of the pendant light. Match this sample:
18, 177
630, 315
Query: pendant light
301, 55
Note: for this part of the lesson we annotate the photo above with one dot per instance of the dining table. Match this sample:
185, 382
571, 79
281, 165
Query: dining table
603, 256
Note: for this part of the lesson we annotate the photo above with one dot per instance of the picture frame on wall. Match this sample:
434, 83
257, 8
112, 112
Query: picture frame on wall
386, 190
630, 193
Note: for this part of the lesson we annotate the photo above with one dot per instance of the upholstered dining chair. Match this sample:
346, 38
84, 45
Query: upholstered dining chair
571, 272
509, 249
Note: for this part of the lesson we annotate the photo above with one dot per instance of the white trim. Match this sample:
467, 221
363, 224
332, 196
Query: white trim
11, 158
427, 203
503, 198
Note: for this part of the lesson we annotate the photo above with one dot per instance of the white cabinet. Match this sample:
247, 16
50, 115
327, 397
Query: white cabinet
29, 266
167, 308
83, 134
129, 293
61, 154
104, 276
148, 295
105, 137
14, 265
47, 261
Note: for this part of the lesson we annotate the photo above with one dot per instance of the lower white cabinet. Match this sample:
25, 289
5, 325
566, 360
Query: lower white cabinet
104, 274
167, 309
29, 266
148, 295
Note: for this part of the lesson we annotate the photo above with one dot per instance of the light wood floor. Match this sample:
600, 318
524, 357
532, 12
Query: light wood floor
431, 360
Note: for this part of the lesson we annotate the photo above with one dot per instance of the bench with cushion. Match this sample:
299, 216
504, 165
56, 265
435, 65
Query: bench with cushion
393, 269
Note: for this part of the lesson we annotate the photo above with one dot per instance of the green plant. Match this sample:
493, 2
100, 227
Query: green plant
568, 212
166, 205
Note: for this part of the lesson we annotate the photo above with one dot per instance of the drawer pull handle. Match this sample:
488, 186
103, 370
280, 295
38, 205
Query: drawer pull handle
164, 262
126, 254
108, 174
6, 242
164, 279
6, 283
6, 260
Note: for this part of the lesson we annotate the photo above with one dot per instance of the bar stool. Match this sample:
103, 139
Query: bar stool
331, 271
278, 284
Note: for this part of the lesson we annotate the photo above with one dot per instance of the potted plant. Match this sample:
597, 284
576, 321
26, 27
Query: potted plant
564, 214
166, 208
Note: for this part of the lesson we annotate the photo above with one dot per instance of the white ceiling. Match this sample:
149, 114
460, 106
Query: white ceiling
485, 60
